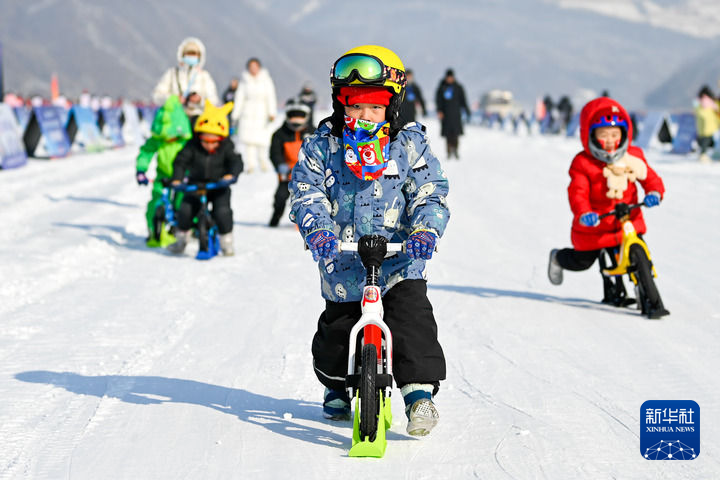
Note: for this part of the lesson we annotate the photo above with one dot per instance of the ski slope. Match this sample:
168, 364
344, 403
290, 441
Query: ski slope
118, 361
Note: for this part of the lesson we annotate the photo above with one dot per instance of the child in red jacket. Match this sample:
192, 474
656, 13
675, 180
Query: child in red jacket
601, 176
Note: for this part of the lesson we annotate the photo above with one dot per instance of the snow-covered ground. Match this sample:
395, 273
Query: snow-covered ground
118, 361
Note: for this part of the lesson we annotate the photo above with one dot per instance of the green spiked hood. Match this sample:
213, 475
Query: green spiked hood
171, 121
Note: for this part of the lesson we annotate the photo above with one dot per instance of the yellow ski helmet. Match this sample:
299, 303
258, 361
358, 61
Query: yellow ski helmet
370, 65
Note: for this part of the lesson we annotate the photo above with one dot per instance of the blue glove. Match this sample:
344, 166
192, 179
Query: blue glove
323, 244
283, 169
652, 199
420, 244
589, 219
141, 178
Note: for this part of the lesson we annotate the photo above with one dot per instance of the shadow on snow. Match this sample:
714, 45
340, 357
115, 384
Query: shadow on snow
261, 410
486, 292
131, 241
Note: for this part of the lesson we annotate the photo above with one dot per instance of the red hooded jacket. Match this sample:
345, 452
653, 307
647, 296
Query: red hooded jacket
588, 187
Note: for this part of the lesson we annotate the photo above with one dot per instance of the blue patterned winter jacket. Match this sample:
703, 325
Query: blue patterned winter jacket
410, 195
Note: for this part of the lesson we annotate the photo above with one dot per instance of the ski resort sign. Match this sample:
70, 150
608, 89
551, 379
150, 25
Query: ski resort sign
670, 430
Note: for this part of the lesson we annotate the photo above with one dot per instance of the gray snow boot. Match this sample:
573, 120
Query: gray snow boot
226, 244
555, 271
178, 247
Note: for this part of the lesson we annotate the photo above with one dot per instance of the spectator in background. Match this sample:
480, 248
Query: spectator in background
413, 99
229, 93
255, 109
565, 109
707, 121
450, 103
85, 98
549, 119
284, 150
308, 97
188, 80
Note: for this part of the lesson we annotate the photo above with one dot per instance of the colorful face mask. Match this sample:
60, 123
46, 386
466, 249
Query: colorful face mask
366, 147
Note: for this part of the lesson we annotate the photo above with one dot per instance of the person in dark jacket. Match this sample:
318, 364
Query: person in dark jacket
450, 103
209, 157
565, 109
308, 97
413, 99
284, 149
229, 93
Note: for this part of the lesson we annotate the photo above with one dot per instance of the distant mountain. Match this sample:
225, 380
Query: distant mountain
679, 90
123, 48
530, 47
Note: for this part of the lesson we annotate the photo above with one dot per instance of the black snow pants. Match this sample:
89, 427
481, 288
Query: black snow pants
220, 211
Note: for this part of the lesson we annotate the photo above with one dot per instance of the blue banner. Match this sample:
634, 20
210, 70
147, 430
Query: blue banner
23, 117
2, 83
83, 130
147, 113
686, 133
110, 123
45, 135
649, 130
12, 150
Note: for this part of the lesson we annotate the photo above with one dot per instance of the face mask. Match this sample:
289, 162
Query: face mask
190, 60
295, 126
366, 147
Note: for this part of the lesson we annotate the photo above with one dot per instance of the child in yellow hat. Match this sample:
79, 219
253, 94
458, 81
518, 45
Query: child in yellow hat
209, 157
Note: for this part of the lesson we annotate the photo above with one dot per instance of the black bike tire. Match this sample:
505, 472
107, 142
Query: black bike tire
158, 220
203, 234
650, 296
368, 393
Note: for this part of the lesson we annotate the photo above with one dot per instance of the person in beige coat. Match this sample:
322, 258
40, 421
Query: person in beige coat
188, 80
255, 109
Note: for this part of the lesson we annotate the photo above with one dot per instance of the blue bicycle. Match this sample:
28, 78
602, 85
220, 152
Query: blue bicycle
205, 226
163, 231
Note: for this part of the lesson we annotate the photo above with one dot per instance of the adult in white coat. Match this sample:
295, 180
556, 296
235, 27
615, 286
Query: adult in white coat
189, 81
255, 109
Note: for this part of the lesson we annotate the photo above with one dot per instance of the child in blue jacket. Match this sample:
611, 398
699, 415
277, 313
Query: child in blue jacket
364, 172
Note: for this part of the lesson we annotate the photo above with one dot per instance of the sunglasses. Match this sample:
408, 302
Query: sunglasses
211, 141
368, 69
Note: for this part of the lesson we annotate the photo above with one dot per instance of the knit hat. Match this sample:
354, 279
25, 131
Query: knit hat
352, 95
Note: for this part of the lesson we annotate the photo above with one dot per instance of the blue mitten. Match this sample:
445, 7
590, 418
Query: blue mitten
652, 199
283, 169
589, 219
141, 178
420, 244
323, 243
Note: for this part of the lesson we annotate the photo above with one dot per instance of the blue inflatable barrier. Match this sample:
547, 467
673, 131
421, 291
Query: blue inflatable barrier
110, 122
654, 128
686, 133
12, 150
23, 117
83, 130
45, 134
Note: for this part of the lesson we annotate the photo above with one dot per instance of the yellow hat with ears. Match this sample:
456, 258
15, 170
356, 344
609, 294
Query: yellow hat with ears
214, 119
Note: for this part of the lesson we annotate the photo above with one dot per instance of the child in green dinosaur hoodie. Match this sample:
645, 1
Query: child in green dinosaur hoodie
170, 131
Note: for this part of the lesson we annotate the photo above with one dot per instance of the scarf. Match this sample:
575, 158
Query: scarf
366, 147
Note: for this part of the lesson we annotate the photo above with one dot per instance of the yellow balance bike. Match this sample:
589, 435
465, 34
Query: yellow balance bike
633, 258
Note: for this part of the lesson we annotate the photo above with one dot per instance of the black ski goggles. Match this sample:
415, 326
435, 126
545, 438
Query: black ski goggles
366, 69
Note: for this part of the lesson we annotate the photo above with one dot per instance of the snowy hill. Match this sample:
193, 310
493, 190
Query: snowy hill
700, 18
117, 361
530, 47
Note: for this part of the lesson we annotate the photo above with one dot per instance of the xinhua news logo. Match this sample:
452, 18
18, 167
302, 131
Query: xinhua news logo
670, 430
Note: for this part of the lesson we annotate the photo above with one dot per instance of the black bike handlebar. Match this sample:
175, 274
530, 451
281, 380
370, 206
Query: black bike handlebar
193, 187
621, 209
